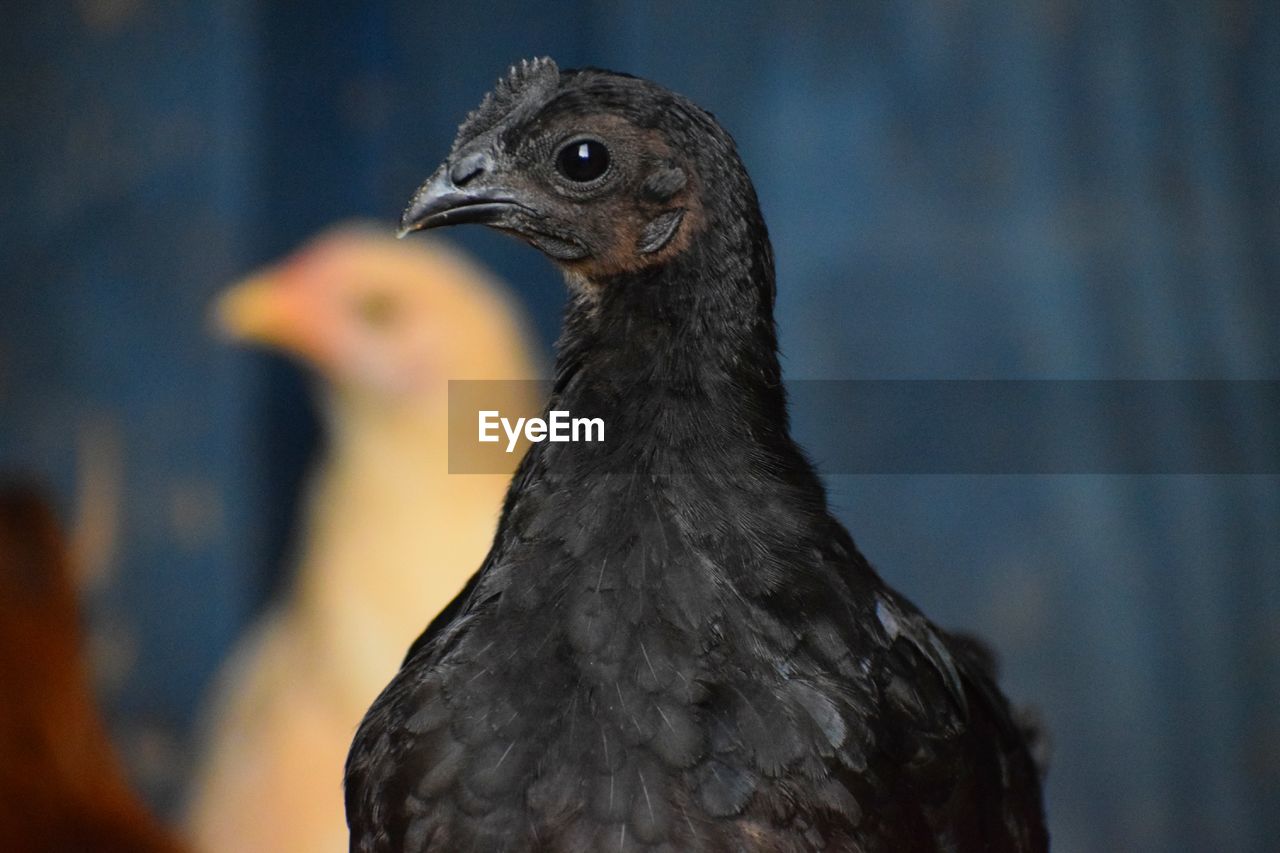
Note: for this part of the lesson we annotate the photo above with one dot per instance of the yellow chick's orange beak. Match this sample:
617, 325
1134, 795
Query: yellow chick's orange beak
263, 310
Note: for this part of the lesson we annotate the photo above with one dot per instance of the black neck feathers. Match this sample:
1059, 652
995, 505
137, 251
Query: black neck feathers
681, 358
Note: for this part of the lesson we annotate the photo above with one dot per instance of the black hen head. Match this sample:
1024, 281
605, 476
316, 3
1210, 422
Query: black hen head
601, 171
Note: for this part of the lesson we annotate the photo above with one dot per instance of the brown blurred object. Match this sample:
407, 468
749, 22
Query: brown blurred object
388, 534
61, 785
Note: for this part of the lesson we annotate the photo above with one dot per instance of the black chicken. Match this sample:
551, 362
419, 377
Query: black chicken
672, 644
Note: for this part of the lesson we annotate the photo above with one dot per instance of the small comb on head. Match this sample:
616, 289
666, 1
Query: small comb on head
525, 88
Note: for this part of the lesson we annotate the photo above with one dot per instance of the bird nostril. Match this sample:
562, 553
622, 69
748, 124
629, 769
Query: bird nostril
468, 168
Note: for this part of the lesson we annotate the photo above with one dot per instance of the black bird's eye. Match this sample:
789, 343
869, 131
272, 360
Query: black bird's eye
583, 160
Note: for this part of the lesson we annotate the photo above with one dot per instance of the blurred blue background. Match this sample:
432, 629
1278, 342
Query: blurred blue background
955, 189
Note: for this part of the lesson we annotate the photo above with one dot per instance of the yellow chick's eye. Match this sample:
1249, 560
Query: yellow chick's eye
376, 309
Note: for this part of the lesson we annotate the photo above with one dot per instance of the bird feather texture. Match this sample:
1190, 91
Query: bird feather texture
672, 644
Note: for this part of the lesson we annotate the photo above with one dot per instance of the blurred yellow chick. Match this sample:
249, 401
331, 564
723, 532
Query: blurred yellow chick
388, 533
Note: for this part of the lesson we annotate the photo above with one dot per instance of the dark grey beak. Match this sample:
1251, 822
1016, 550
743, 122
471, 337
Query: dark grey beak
467, 189
453, 196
